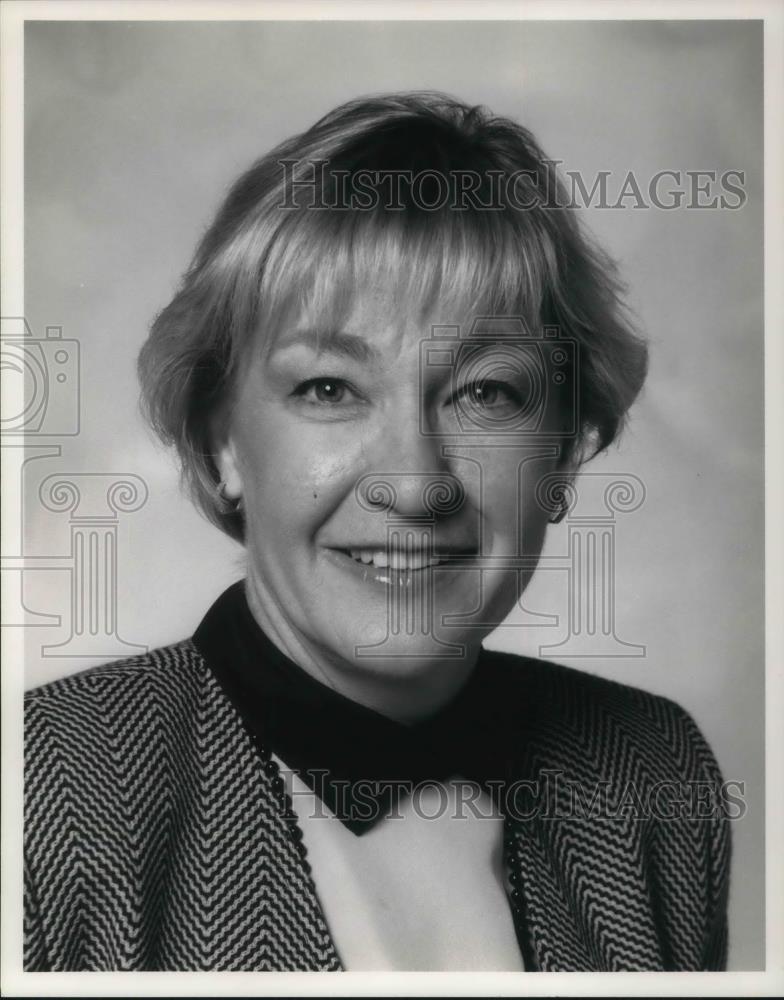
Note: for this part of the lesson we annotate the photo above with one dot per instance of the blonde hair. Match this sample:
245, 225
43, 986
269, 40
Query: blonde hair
287, 239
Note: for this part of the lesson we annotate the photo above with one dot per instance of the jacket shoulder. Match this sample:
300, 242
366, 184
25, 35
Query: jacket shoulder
584, 722
175, 662
96, 724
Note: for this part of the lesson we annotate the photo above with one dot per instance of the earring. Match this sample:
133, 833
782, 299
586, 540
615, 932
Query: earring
233, 505
560, 514
562, 509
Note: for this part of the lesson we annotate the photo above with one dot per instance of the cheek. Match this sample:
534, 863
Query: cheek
503, 485
292, 473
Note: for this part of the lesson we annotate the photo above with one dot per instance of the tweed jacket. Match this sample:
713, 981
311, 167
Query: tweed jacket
156, 839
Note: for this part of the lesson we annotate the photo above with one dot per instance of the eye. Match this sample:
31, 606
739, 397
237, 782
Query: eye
489, 394
323, 391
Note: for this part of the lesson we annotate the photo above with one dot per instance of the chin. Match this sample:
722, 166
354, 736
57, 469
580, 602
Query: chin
377, 650
399, 637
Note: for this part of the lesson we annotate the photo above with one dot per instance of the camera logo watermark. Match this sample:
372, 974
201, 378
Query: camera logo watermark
47, 370
42, 405
496, 351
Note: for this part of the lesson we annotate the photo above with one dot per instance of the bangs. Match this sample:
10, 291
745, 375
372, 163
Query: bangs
447, 267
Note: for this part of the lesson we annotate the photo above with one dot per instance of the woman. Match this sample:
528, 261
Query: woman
391, 352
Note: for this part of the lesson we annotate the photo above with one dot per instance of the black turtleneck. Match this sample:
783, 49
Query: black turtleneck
355, 759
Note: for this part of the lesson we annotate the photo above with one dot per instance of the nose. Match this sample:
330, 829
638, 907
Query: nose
412, 495
409, 475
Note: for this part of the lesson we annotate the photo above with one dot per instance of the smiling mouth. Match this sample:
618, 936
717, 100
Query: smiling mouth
405, 560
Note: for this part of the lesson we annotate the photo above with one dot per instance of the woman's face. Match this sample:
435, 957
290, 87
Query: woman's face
389, 504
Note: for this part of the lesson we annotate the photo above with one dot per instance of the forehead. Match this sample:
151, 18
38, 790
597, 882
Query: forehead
371, 326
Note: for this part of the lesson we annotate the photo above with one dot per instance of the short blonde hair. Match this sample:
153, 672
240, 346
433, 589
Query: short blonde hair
287, 238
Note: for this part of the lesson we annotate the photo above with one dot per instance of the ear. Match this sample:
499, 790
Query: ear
562, 492
228, 467
568, 462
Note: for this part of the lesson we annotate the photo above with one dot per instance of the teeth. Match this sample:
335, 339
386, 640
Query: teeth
396, 560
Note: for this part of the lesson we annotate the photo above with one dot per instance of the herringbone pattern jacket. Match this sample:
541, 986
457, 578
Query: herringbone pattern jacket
155, 839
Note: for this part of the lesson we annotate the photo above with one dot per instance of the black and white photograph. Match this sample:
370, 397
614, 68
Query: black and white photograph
391, 403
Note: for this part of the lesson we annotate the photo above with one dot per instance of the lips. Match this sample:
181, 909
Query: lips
407, 557
395, 559
444, 568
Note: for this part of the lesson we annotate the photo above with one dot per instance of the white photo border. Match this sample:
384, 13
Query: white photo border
771, 982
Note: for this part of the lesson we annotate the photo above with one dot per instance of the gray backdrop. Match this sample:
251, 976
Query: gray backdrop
134, 130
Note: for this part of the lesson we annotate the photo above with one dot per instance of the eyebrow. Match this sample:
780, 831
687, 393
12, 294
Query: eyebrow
335, 342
